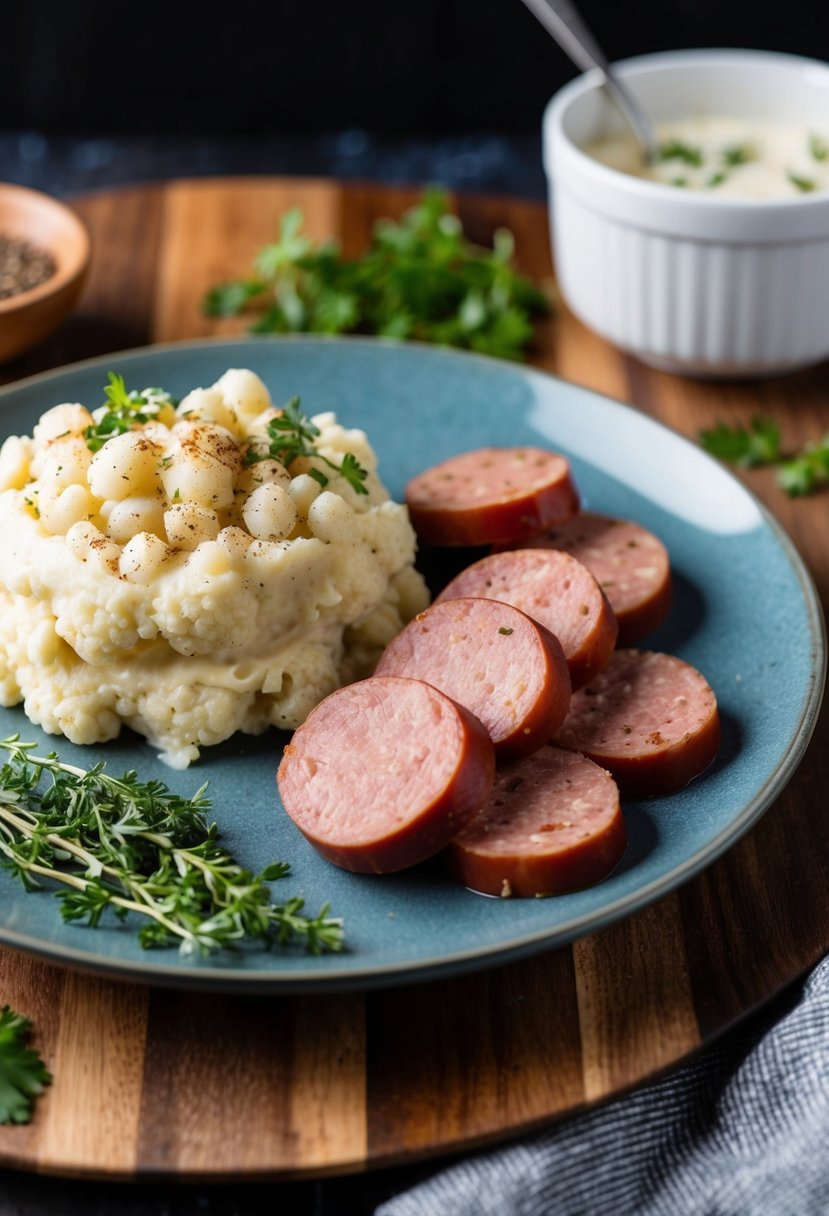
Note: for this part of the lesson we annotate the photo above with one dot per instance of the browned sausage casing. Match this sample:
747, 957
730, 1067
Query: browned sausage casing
491, 496
551, 824
555, 590
383, 773
650, 718
508, 670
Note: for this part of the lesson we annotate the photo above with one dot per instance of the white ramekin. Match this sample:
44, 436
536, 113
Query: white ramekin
685, 280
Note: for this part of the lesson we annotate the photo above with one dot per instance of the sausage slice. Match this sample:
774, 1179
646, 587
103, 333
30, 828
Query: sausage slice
491, 496
551, 824
490, 657
629, 563
555, 590
383, 773
650, 718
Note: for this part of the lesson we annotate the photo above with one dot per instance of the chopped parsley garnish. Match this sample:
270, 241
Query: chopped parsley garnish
818, 148
134, 847
291, 434
420, 278
503, 629
123, 411
738, 154
22, 1072
716, 179
677, 149
804, 184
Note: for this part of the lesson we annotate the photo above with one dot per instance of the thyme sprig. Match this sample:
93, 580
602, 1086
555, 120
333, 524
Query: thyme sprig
130, 846
291, 434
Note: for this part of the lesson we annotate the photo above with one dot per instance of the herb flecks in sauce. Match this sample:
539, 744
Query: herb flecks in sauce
736, 158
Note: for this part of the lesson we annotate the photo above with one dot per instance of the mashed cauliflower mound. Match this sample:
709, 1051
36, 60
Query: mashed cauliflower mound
163, 583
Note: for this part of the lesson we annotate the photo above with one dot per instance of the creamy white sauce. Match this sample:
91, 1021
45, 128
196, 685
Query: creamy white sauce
727, 157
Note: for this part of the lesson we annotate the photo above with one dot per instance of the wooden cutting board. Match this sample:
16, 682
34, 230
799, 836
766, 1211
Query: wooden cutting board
156, 1083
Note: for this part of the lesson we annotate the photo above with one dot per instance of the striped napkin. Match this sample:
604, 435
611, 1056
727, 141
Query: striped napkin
741, 1130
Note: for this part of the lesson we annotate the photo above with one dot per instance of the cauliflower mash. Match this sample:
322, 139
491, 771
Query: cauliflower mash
174, 569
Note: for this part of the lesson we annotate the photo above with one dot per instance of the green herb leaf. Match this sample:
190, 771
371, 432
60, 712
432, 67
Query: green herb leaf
738, 154
749, 447
807, 471
123, 411
420, 278
716, 179
677, 149
760, 445
22, 1072
228, 299
818, 147
291, 434
804, 184
131, 848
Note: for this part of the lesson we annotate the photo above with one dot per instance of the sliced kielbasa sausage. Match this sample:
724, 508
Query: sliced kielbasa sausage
491, 496
650, 718
555, 590
629, 563
383, 773
502, 666
551, 824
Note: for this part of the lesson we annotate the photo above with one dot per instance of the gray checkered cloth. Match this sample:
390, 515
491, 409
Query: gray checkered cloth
742, 1130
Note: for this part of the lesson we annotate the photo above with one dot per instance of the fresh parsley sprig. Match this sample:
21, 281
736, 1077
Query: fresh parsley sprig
126, 846
123, 411
749, 447
759, 444
291, 434
420, 278
23, 1074
807, 471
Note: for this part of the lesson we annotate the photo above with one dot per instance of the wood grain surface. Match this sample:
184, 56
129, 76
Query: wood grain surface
156, 1083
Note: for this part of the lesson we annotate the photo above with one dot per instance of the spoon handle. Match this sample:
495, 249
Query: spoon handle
563, 20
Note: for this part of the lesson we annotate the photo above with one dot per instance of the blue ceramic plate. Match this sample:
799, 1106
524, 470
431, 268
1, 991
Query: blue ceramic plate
745, 613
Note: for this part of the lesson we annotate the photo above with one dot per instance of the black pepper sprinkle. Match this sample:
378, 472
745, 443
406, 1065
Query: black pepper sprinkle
22, 266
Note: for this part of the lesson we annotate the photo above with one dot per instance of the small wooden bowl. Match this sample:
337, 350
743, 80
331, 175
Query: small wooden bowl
28, 215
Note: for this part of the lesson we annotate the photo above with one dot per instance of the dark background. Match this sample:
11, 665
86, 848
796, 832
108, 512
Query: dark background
426, 67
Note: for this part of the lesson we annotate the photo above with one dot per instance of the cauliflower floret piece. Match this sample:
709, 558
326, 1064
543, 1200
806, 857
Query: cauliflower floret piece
208, 405
61, 509
244, 393
15, 461
270, 513
304, 489
187, 525
201, 465
125, 466
142, 557
60, 420
139, 514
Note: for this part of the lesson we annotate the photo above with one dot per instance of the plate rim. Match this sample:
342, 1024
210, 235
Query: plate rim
388, 975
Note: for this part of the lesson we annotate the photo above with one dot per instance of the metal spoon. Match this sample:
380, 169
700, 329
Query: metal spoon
564, 22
